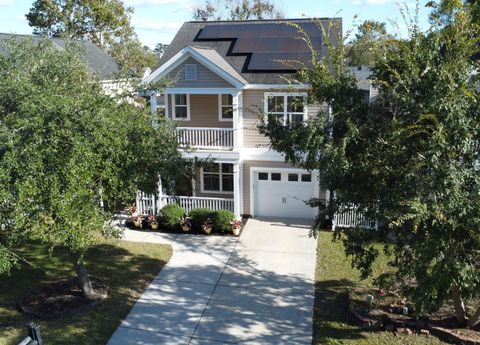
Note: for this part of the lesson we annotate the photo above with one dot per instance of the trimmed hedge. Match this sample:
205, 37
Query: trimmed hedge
199, 216
170, 215
222, 219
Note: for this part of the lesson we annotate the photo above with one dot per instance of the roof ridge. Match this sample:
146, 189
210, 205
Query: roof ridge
262, 20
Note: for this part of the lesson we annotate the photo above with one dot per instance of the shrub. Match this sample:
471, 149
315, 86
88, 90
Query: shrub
171, 214
199, 216
222, 220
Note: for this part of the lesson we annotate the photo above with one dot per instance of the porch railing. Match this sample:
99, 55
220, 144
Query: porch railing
349, 217
206, 137
189, 203
148, 204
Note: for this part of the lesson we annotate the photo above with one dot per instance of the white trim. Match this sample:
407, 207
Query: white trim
257, 169
183, 55
261, 154
220, 108
275, 86
187, 96
220, 180
167, 111
218, 156
202, 91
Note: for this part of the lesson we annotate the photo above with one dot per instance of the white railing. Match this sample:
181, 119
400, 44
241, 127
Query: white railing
349, 217
191, 202
206, 137
146, 203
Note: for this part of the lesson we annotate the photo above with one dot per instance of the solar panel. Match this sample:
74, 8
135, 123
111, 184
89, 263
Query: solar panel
267, 43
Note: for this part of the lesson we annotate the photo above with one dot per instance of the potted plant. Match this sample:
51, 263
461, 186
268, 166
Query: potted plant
236, 227
207, 226
137, 221
152, 222
185, 224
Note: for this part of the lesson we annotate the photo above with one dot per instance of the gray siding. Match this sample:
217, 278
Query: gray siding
205, 77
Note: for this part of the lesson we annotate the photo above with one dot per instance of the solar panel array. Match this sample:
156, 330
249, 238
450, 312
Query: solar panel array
271, 46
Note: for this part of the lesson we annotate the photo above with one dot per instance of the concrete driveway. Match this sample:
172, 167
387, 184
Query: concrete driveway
258, 289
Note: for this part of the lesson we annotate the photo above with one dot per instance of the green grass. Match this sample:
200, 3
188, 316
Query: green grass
126, 267
332, 322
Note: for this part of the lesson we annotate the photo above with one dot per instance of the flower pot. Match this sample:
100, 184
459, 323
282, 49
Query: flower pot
137, 222
185, 228
154, 225
236, 230
207, 229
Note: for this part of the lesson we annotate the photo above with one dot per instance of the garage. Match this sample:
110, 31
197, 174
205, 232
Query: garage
282, 193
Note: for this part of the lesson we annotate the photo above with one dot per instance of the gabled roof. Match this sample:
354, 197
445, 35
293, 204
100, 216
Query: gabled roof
97, 60
206, 56
246, 46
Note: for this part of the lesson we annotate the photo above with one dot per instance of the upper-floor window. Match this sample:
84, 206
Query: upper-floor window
181, 107
287, 108
225, 106
217, 177
190, 72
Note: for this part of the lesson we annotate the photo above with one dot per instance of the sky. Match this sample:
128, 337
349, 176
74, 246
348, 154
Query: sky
157, 21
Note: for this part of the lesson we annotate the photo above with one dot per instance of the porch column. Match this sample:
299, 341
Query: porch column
153, 108
236, 190
236, 103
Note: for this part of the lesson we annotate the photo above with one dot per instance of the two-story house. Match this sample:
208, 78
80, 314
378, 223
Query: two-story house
223, 76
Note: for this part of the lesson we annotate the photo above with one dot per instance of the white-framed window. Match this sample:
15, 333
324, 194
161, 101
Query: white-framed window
225, 107
181, 106
190, 72
287, 108
217, 178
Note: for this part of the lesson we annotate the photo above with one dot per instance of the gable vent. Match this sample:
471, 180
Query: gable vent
190, 72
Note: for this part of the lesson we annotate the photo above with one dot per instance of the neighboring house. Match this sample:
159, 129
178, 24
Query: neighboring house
223, 76
97, 60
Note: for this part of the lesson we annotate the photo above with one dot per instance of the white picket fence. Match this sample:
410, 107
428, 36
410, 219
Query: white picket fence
206, 137
349, 217
147, 204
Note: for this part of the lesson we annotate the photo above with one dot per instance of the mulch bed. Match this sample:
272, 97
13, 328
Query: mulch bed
390, 313
61, 298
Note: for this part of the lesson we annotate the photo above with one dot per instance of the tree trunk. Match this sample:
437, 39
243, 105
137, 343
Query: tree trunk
475, 319
458, 304
82, 276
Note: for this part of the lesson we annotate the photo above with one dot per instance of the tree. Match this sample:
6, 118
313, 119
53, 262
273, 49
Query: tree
160, 49
237, 10
104, 23
411, 160
70, 156
368, 43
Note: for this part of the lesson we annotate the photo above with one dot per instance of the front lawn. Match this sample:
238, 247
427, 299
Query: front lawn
332, 323
126, 267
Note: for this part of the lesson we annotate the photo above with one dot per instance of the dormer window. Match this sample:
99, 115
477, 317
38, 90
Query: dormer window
225, 107
190, 72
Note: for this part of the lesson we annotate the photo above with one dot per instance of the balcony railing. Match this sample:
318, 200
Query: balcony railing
211, 138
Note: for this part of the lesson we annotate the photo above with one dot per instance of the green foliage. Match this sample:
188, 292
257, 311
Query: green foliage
410, 159
65, 146
104, 23
199, 216
222, 219
368, 43
236, 10
171, 214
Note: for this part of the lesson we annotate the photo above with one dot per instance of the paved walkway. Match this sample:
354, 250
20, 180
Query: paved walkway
258, 289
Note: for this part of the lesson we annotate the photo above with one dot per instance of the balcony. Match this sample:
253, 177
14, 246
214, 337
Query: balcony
206, 138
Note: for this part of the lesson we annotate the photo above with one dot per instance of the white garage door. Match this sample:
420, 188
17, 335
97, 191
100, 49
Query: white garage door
283, 194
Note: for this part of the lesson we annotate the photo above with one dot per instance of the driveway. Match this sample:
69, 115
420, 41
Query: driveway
258, 289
